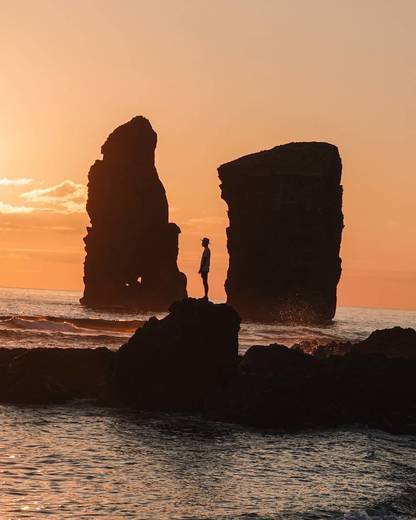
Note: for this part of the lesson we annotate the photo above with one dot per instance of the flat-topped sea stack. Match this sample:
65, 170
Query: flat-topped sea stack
131, 246
284, 237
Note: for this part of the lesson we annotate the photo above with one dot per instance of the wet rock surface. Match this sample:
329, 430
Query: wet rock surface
396, 342
131, 247
284, 208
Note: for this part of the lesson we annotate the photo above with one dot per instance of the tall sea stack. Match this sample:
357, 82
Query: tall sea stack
131, 247
284, 237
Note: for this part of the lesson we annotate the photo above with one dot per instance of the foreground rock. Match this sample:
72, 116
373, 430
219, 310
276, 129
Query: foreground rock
396, 342
131, 246
393, 343
284, 388
182, 360
53, 375
188, 361
284, 207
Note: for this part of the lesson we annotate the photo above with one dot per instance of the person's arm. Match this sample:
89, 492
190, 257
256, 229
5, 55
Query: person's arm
201, 264
204, 261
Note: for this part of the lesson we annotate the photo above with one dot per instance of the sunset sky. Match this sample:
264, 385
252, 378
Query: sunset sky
217, 80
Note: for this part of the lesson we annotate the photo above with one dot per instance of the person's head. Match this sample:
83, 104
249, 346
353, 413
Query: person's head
205, 242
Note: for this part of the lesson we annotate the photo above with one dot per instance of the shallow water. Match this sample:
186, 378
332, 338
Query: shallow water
84, 462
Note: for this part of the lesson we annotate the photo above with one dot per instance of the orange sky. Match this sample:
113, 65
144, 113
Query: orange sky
217, 80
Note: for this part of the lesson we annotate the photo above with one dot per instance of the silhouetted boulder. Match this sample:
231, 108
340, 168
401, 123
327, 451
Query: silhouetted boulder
395, 343
284, 208
131, 247
188, 361
281, 387
178, 362
53, 375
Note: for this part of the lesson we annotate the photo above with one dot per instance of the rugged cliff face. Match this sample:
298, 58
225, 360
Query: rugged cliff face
284, 207
131, 247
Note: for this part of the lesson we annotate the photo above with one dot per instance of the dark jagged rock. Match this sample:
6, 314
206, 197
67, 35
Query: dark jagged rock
180, 361
188, 361
131, 247
284, 207
53, 375
334, 348
394, 343
285, 388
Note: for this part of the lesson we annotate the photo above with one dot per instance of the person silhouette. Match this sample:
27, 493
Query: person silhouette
205, 263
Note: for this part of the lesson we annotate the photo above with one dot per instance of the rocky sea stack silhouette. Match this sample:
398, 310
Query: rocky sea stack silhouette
131, 246
284, 237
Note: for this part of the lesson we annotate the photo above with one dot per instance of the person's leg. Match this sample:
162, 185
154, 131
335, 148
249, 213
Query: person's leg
205, 282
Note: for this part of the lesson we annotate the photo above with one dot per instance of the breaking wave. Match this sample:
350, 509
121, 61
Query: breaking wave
50, 331
68, 325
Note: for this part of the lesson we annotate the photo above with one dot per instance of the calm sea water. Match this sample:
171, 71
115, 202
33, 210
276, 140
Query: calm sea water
84, 462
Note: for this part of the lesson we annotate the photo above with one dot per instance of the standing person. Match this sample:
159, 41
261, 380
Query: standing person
205, 263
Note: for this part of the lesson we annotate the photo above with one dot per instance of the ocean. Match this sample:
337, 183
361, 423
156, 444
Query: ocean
86, 462
39, 318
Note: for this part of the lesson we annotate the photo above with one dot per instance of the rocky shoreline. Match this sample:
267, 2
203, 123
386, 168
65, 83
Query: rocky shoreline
189, 362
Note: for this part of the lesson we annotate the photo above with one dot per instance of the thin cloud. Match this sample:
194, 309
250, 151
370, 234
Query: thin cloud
43, 220
65, 197
71, 206
198, 225
65, 190
214, 220
10, 209
70, 257
5, 181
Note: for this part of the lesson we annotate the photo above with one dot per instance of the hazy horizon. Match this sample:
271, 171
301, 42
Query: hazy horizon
217, 82
79, 293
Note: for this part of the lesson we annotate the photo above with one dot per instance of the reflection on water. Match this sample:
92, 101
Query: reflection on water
34, 318
84, 462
